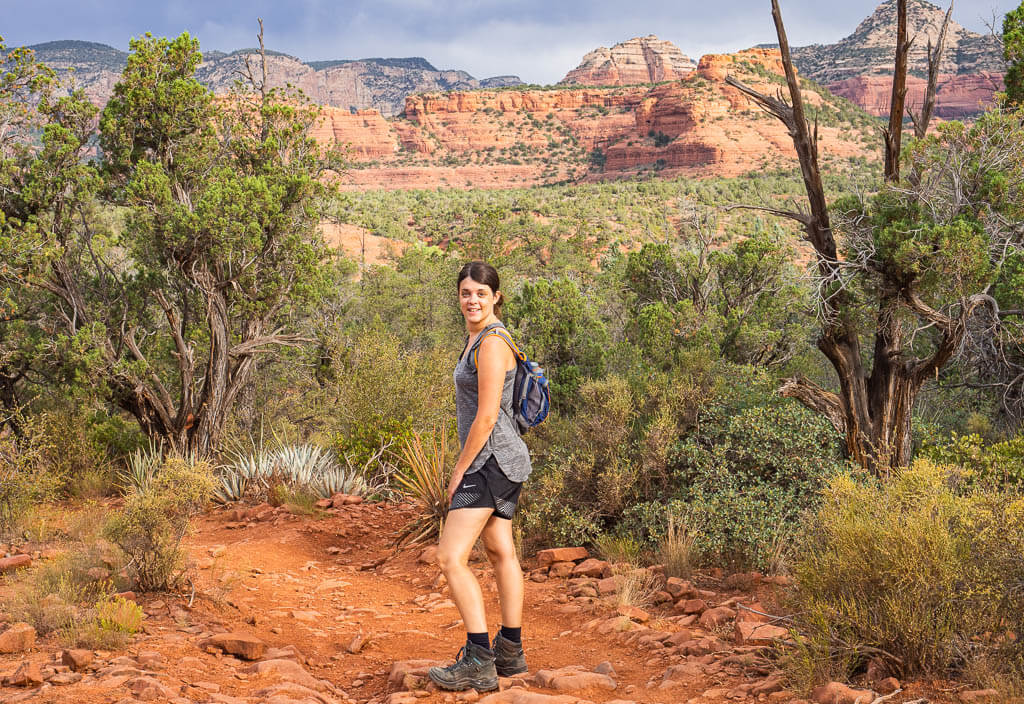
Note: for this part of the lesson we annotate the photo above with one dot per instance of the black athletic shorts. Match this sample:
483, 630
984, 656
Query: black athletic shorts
488, 487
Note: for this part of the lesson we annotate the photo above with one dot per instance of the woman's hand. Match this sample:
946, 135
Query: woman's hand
454, 484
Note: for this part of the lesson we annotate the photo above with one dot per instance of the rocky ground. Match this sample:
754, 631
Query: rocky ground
290, 609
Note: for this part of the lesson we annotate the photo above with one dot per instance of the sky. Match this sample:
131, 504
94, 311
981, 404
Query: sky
537, 40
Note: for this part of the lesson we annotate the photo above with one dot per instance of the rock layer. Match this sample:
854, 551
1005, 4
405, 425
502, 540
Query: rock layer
639, 60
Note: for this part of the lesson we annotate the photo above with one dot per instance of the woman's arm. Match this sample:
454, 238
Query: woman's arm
493, 360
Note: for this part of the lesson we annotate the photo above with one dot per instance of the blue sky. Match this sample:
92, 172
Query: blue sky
538, 40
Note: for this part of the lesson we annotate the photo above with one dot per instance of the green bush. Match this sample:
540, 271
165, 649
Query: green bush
912, 570
150, 527
1001, 463
25, 478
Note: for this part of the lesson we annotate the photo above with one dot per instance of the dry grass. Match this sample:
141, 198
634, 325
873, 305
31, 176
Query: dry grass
636, 587
676, 550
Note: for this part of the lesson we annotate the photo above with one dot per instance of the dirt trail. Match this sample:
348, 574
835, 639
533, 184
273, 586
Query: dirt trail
319, 584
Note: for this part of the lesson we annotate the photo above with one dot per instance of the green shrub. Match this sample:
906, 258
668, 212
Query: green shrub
25, 478
150, 527
1000, 462
913, 570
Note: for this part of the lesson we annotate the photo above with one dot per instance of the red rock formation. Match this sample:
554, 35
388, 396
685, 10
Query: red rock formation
639, 60
957, 97
499, 139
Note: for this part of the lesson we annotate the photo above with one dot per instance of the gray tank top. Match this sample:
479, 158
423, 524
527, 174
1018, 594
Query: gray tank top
504, 443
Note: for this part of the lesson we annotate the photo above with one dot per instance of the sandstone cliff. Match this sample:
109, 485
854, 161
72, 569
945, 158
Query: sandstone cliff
856, 67
380, 84
696, 126
639, 60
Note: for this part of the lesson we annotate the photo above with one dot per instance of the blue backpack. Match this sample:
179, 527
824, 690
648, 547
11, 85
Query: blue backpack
531, 398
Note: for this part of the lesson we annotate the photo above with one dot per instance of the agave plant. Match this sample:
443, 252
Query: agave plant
143, 464
426, 483
230, 485
304, 465
337, 480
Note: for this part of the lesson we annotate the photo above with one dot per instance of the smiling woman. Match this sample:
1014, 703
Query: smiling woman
484, 489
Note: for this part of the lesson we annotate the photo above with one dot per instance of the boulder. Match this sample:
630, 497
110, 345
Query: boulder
517, 695
238, 644
692, 606
286, 669
9, 564
592, 567
839, 693
77, 659
609, 585
713, 618
561, 569
148, 689
553, 555
754, 633
28, 674
679, 588
633, 613
428, 556
571, 678
18, 638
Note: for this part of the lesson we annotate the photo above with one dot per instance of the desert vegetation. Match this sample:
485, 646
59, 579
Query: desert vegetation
835, 397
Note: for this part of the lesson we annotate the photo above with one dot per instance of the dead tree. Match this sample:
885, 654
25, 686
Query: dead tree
877, 391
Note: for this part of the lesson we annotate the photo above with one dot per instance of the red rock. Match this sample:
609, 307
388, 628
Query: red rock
428, 556
742, 580
754, 633
552, 555
18, 638
517, 695
286, 669
977, 695
324, 503
561, 569
77, 659
634, 614
888, 685
28, 674
572, 678
692, 606
592, 567
683, 671
239, 644
679, 588
609, 585
148, 689
839, 693
679, 637
419, 668
127, 596
9, 564
768, 685
713, 618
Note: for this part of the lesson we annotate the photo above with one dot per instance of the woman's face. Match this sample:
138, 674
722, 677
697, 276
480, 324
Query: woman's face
476, 300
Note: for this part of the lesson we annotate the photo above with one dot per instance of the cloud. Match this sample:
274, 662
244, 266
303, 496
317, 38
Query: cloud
539, 40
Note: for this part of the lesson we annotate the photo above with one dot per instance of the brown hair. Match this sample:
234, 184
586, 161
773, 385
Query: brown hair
484, 273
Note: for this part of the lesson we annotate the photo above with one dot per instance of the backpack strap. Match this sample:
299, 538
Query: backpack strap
500, 331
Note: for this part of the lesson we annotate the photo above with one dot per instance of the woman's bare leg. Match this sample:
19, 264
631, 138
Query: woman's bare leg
461, 529
501, 550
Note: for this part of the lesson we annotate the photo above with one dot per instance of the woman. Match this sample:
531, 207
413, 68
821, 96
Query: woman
484, 489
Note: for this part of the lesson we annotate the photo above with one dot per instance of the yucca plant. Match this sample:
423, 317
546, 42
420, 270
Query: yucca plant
337, 480
304, 465
143, 464
426, 483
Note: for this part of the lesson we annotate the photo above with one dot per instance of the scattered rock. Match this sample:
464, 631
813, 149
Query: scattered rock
286, 669
683, 671
517, 695
839, 693
148, 689
605, 668
633, 613
679, 637
561, 569
418, 668
679, 588
357, 643
239, 644
768, 685
745, 581
77, 659
753, 633
288, 652
888, 685
18, 638
692, 606
592, 567
28, 674
609, 585
977, 695
572, 678
9, 564
65, 678
428, 556
553, 555
713, 618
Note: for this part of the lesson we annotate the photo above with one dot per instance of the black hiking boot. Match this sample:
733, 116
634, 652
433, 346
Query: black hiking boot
508, 656
473, 669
